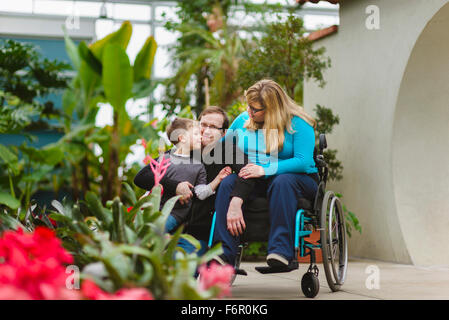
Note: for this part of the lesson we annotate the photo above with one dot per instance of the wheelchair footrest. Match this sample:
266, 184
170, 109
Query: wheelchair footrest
278, 269
241, 272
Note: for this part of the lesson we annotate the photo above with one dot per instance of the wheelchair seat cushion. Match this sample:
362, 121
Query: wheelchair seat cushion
305, 204
257, 217
259, 204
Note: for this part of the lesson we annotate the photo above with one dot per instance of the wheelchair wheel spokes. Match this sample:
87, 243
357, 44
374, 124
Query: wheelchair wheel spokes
333, 239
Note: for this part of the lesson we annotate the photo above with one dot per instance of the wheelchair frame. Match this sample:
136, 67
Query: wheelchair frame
327, 216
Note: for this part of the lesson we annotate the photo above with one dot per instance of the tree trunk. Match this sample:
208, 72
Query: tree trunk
113, 183
85, 171
75, 190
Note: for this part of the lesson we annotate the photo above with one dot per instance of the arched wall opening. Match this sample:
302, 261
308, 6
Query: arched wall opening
420, 146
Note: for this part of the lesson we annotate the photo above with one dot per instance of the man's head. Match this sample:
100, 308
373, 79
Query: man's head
214, 122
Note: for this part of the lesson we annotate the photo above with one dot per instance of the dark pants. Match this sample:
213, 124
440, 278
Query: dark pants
282, 192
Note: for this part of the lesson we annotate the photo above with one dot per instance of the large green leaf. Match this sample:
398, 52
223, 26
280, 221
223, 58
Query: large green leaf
120, 37
131, 194
72, 50
119, 221
90, 80
166, 210
77, 132
6, 154
10, 159
144, 60
97, 209
7, 223
144, 87
87, 56
117, 76
69, 101
51, 154
38, 173
9, 201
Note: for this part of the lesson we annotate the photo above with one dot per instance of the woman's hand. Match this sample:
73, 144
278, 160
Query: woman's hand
235, 222
251, 170
226, 171
183, 189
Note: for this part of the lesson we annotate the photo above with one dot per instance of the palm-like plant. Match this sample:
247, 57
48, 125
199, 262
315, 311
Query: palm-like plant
105, 74
220, 56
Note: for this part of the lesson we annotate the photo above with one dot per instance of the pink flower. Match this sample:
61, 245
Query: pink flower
159, 168
154, 123
216, 276
143, 142
147, 159
93, 292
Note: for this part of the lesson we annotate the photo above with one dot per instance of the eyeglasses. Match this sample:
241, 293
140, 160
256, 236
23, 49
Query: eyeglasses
255, 110
210, 126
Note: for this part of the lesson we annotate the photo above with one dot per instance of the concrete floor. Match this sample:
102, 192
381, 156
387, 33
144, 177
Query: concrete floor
395, 281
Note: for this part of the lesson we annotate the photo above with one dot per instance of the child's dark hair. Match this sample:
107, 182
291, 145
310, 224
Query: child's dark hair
177, 127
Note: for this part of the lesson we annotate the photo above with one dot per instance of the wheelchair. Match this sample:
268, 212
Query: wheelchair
325, 215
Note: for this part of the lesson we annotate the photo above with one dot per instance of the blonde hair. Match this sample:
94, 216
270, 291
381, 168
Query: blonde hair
279, 110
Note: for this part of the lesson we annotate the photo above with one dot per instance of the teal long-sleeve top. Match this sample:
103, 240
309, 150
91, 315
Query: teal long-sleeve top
296, 155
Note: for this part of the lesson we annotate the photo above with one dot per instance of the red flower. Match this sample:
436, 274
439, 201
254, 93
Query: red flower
31, 266
216, 276
93, 292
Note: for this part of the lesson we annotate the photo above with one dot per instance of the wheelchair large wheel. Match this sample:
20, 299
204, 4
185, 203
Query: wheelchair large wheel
333, 241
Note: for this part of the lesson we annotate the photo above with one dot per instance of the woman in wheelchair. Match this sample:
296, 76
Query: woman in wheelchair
278, 137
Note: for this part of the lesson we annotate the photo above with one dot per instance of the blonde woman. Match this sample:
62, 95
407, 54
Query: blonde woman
278, 137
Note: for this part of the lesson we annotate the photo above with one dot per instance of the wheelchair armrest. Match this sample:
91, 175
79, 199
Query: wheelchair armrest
322, 142
319, 161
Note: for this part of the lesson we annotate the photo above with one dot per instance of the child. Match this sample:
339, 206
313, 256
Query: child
186, 137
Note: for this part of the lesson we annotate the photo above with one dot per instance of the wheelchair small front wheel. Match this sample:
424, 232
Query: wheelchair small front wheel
237, 262
310, 284
334, 246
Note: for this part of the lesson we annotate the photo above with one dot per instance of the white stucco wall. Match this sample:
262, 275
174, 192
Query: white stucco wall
390, 88
48, 26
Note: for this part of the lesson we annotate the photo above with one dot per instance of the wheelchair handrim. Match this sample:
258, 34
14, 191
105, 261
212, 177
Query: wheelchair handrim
340, 272
336, 277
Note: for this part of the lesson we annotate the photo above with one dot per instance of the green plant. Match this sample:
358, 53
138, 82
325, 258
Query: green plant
284, 55
255, 250
26, 80
351, 219
105, 75
124, 247
326, 121
216, 46
235, 110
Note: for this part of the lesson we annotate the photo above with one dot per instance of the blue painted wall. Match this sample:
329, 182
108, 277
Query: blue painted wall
50, 49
